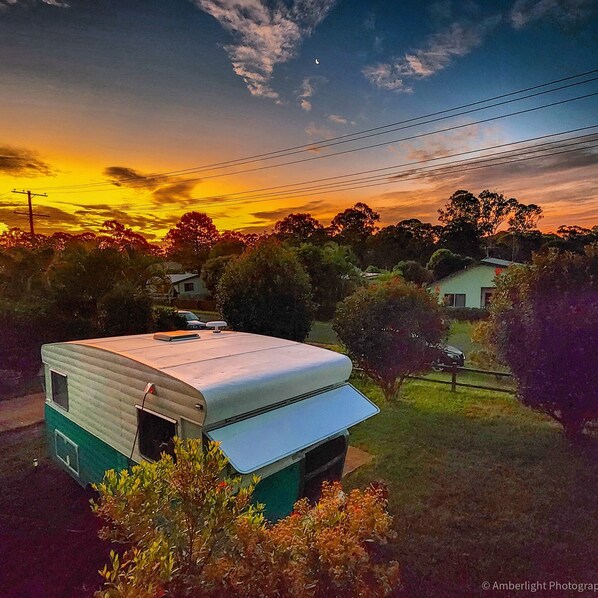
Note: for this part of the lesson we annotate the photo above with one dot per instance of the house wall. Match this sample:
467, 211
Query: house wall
199, 289
469, 281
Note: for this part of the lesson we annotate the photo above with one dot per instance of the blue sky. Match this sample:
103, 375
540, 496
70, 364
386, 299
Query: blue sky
154, 86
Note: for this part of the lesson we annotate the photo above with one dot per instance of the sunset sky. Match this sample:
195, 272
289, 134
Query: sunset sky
105, 102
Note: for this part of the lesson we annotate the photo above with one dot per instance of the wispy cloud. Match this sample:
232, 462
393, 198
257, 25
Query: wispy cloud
6, 4
164, 189
264, 35
319, 132
22, 162
567, 11
273, 215
337, 118
308, 88
438, 52
123, 176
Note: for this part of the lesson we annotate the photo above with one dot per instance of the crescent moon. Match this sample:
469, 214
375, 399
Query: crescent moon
317, 61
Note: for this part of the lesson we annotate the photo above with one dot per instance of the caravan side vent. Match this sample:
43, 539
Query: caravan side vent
176, 335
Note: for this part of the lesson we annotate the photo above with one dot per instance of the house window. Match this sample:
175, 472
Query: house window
155, 434
454, 299
487, 295
188, 287
60, 390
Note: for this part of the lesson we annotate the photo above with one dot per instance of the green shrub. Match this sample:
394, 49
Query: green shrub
267, 291
390, 330
125, 310
192, 530
167, 318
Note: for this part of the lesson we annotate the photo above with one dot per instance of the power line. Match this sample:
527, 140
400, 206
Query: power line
449, 169
452, 168
353, 150
352, 137
260, 191
386, 168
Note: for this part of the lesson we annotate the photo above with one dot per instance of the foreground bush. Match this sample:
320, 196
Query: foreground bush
190, 530
543, 326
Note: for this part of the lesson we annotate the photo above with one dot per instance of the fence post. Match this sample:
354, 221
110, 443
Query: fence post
453, 378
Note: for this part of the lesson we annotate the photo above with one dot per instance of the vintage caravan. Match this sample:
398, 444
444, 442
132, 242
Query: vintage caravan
279, 409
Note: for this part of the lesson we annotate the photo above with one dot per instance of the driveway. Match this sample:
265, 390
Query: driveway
21, 412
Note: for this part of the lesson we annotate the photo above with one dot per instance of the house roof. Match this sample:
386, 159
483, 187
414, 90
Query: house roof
175, 278
235, 372
494, 261
491, 262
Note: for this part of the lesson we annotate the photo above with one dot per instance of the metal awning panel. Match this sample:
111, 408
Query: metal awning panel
258, 441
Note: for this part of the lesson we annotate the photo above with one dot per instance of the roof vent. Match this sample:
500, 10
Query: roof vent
176, 335
216, 325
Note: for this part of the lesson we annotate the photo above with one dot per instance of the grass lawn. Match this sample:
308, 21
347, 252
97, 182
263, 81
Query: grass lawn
482, 489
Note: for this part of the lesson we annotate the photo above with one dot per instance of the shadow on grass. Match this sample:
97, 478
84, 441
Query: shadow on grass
48, 534
482, 489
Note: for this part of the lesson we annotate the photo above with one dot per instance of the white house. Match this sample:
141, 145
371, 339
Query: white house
471, 287
189, 285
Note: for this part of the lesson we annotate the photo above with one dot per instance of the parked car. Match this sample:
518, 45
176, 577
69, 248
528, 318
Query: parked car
447, 356
193, 321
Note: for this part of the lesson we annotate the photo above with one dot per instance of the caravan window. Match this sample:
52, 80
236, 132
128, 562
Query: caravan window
155, 434
60, 390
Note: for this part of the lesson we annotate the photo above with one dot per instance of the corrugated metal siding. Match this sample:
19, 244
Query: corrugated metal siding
95, 456
104, 389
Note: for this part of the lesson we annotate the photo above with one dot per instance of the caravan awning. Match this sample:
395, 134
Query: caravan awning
253, 443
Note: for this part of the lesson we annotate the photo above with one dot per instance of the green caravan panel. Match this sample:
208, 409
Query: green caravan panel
279, 492
82, 454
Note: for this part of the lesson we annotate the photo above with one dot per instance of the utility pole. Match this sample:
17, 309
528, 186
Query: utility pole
30, 212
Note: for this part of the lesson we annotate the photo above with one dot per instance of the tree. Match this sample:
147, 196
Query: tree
543, 326
229, 243
191, 239
522, 229
298, 228
213, 269
461, 236
525, 218
117, 235
463, 206
125, 309
485, 212
266, 291
390, 330
408, 240
468, 219
191, 530
444, 262
82, 277
332, 274
495, 208
353, 226
412, 271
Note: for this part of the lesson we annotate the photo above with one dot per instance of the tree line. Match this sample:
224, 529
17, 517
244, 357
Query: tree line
470, 225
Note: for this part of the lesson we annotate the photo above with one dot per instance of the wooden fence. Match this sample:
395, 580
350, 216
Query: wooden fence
452, 374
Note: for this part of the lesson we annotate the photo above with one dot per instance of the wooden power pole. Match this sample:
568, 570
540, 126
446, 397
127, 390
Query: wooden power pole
30, 211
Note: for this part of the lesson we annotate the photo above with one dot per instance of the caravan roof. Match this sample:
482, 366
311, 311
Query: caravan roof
236, 373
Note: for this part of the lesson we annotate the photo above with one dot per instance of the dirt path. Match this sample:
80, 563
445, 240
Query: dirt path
21, 412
